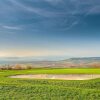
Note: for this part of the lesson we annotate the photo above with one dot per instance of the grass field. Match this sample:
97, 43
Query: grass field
33, 89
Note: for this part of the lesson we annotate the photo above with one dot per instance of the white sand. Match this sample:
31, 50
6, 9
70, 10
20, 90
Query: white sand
61, 77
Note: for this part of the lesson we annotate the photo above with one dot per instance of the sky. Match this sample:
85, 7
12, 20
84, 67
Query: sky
50, 28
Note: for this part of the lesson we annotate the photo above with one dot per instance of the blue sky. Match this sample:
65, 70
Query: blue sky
50, 28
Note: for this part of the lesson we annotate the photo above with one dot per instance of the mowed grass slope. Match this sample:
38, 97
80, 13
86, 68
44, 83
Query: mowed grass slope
32, 89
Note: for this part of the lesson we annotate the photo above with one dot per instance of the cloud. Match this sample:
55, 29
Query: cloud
65, 7
73, 11
94, 10
72, 25
11, 27
54, 2
36, 10
86, 6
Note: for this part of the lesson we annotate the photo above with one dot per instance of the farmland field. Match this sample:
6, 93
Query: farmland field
35, 89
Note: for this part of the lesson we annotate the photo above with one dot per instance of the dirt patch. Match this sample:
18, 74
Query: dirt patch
61, 77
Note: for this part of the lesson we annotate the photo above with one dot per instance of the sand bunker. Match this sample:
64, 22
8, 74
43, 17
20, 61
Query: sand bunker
60, 77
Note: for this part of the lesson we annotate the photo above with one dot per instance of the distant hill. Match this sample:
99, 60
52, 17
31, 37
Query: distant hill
85, 62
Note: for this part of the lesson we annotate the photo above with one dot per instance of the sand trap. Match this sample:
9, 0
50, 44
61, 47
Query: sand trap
61, 77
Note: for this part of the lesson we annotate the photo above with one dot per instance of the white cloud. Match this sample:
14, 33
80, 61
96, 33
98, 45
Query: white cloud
94, 10
70, 10
54, 1
36, 10
86, 6
11, 27
70, 7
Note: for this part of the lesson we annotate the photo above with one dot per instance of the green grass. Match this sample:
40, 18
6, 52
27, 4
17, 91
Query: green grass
34, 89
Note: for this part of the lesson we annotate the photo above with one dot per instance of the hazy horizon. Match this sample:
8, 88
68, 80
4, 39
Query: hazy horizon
67, 28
